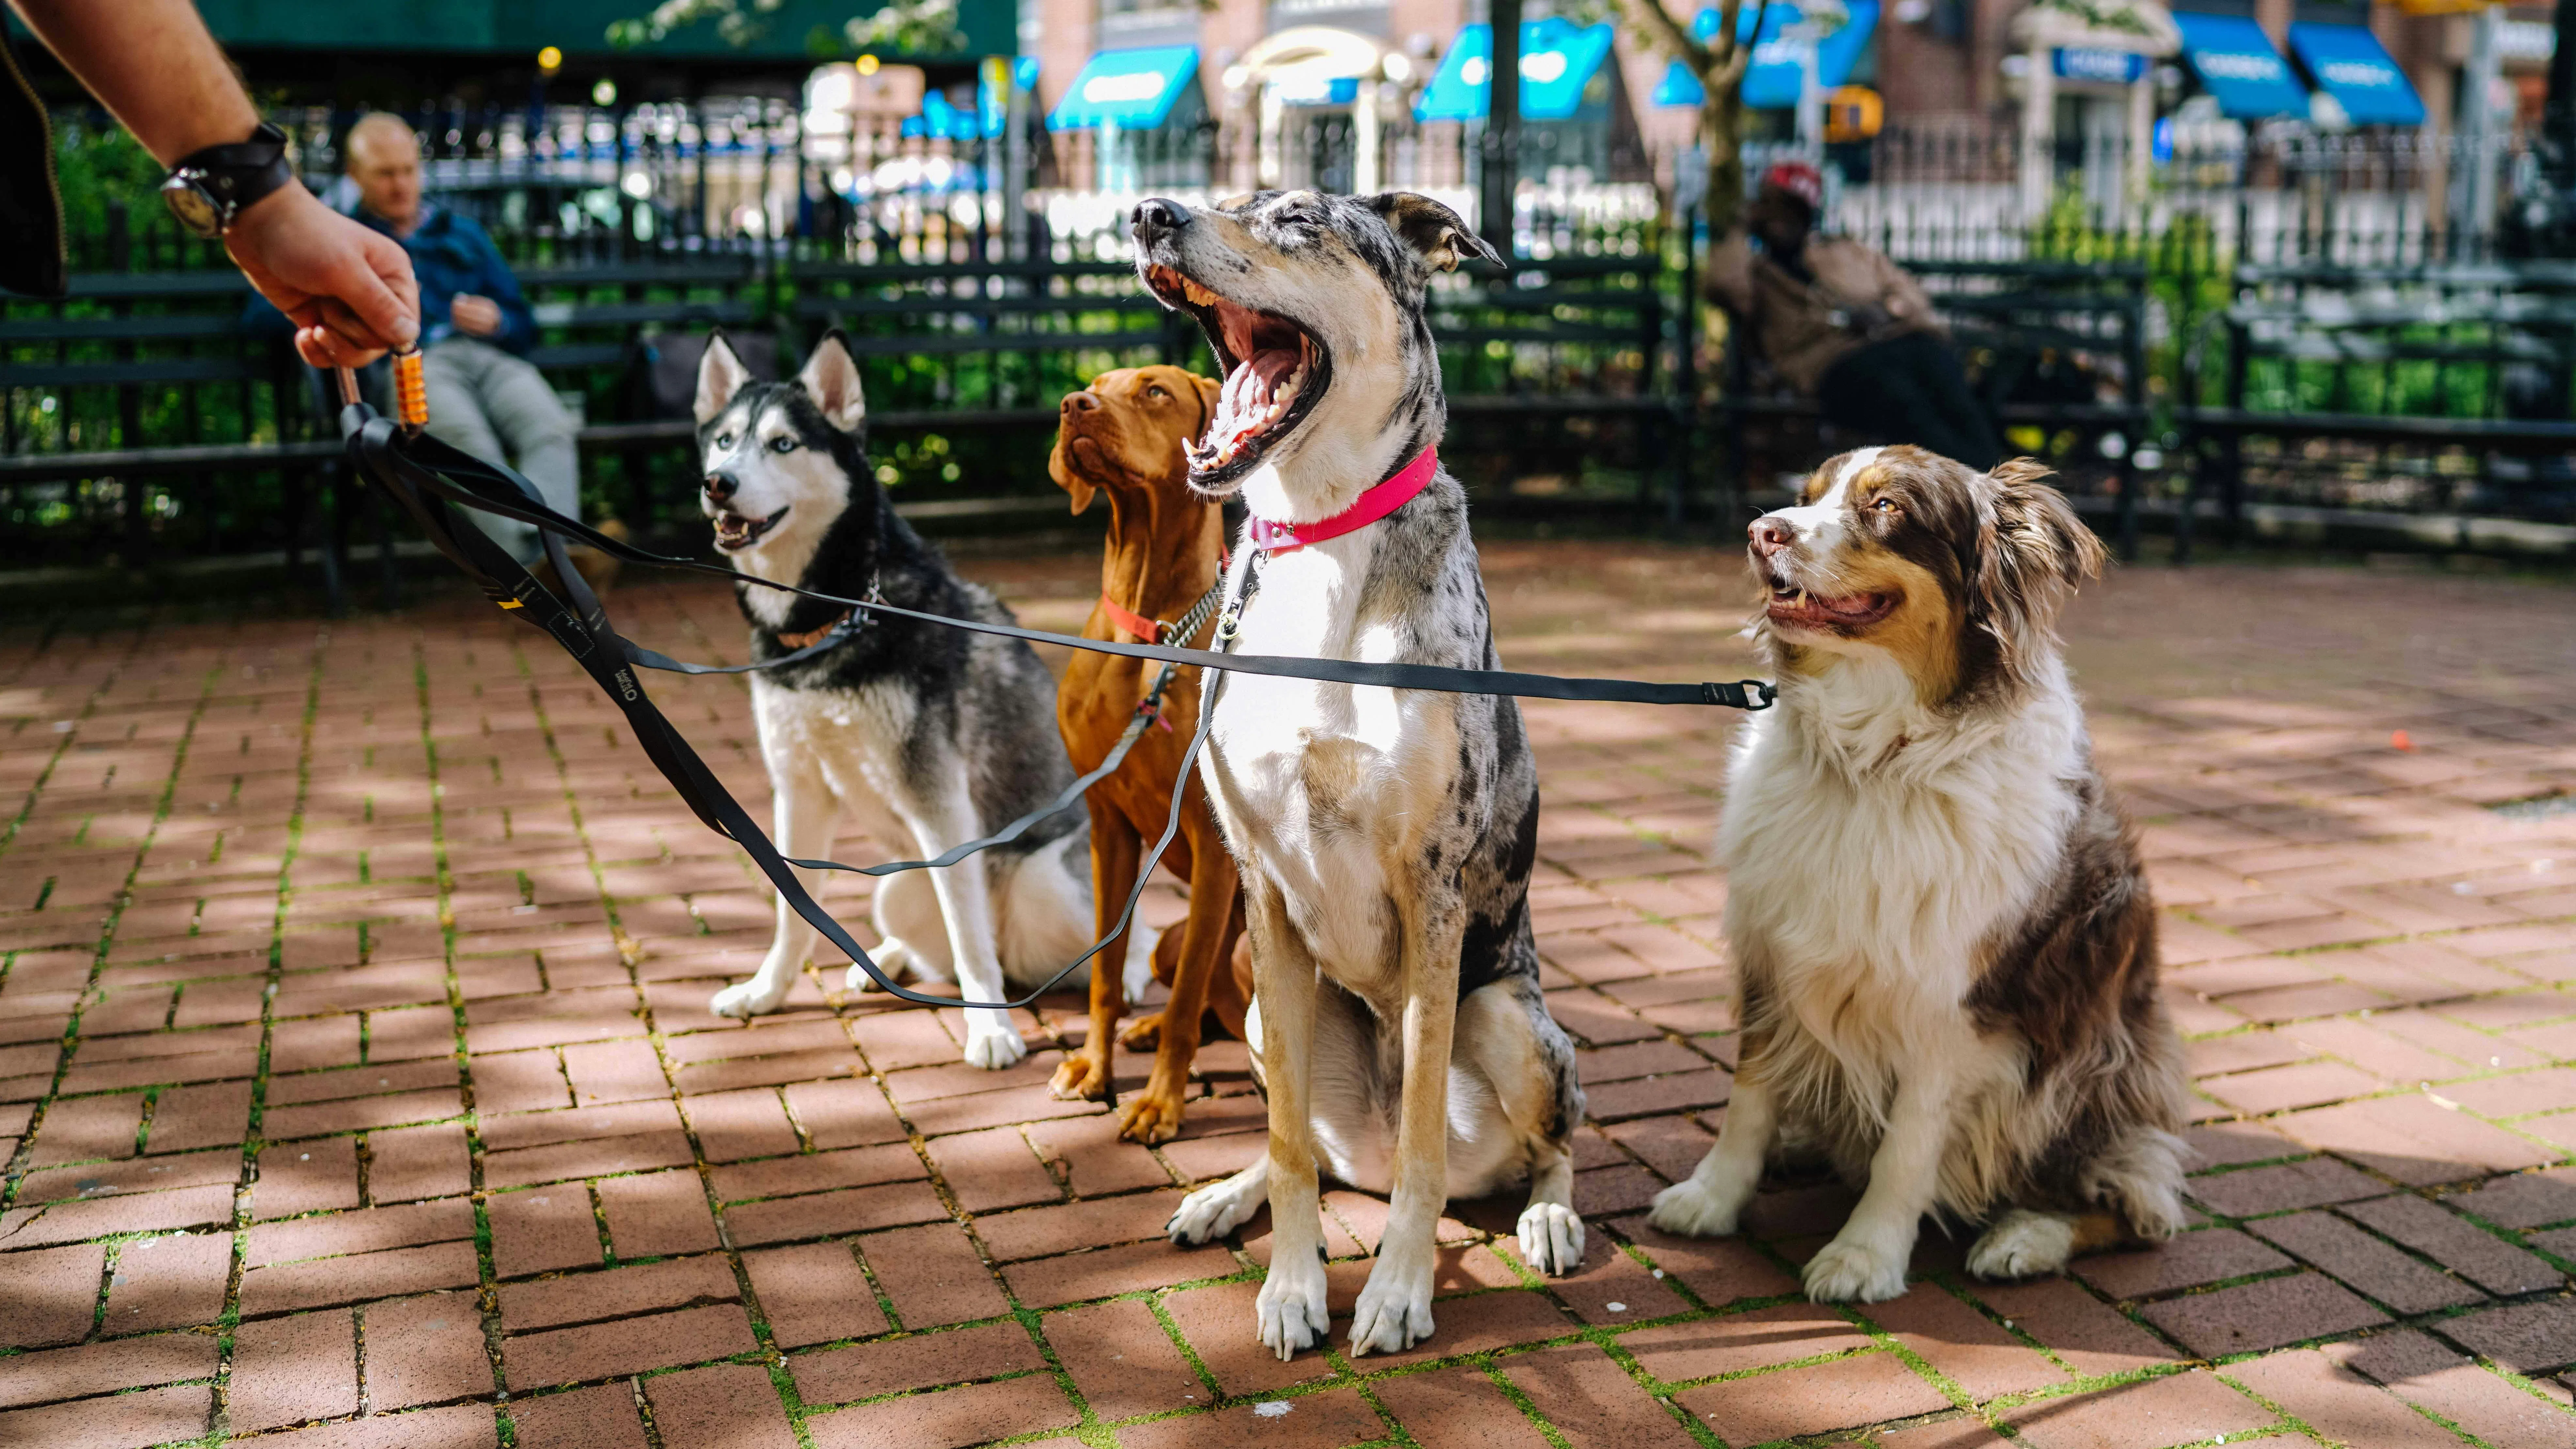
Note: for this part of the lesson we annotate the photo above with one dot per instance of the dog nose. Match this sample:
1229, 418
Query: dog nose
1081, 402
1770, 535
1157, 218
720, 486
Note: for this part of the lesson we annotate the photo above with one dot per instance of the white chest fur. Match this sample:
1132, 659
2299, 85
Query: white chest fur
1315, 783
851, 739
1875, 851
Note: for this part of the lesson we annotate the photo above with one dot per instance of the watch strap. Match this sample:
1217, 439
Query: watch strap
238, 173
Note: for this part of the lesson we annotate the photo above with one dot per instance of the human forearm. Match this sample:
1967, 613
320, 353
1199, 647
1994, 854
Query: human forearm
153, 65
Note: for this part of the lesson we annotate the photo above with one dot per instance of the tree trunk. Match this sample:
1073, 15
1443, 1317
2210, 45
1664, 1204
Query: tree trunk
1721, 127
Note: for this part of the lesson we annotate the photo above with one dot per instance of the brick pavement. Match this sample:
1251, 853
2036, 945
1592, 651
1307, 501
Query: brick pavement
359, 1090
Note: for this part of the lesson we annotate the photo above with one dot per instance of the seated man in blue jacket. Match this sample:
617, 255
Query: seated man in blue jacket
484, 396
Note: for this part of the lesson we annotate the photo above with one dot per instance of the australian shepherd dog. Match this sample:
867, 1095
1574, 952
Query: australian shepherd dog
1939, 920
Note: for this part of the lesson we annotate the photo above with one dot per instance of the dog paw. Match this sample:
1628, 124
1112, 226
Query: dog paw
744, 999
1080, 1079
1212, 1212
1150, 1117
1394, 1310
1844, 1272
1551, 1238
1291, 1308
2022, 1245
1143, 1034
1692, 1209
892, 956
994, 1048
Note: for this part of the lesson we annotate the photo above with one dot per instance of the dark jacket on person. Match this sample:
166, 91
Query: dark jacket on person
31, 208
452, 254
1800, 314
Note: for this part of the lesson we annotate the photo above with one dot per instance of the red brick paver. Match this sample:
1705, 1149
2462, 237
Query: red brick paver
355, 1069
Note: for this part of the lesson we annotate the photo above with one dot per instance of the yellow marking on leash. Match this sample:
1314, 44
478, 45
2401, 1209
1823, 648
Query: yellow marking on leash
511, 604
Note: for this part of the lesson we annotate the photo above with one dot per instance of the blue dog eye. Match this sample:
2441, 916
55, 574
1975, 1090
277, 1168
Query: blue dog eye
724, 440
782, 445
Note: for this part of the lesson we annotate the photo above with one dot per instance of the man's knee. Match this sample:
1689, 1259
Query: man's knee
523, 403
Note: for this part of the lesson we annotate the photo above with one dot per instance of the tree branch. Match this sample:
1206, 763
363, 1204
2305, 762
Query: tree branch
1651, 16
1741, 59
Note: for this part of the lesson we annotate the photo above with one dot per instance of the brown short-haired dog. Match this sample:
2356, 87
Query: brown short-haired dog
1122, 437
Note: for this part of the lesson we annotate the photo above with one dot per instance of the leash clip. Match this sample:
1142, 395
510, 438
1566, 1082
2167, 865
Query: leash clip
1743, 694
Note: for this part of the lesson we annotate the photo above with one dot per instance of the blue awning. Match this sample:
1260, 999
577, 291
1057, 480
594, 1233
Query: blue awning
2354, 68
1133, 90
2236, 62
1771, 82
1558, 59
939, 118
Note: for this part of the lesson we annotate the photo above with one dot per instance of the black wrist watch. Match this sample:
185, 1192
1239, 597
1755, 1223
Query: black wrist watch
208, 188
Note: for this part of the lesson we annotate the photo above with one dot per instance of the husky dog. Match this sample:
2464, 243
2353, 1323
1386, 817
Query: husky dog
1941, 922
1384, 837
928, 736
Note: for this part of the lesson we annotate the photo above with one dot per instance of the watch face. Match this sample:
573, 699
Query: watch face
196, 210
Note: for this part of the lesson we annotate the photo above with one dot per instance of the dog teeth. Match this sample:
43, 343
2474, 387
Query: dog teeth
1197, 294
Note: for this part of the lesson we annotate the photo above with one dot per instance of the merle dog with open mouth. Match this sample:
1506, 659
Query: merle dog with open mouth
1385, 837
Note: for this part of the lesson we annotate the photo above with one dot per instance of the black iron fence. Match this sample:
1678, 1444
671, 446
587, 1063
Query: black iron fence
2146, 329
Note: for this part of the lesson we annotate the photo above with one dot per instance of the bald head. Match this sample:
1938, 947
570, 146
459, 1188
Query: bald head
383, 158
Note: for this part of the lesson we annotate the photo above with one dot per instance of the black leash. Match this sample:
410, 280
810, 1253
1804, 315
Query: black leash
490, 488
1148, 711
424, 476
378, 449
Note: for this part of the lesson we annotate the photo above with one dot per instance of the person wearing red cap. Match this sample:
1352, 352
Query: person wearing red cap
1838, 320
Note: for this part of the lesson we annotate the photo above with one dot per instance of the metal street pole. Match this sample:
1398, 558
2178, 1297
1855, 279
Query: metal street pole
1502, 126
2473, 214
2558, 119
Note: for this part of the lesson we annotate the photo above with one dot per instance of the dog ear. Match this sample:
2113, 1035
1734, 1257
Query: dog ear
831, 379
1442, 236
2032, 550
1061, 470
720, 375
1211, 391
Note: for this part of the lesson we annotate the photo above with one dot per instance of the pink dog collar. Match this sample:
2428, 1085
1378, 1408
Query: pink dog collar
1377, 503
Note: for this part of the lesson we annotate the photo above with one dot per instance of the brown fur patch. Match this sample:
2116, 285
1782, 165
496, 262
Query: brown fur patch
1136, 432
1923, 630
2095, 1231
1998, 553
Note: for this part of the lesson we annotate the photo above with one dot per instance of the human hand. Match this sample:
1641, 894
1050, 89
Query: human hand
480, 316
347, 288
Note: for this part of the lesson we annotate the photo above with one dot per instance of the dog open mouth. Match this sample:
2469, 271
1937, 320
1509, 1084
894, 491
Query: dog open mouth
1797, 606
735, 532
1274, 370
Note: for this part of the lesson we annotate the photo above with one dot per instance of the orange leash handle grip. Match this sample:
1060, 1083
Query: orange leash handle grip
411, 393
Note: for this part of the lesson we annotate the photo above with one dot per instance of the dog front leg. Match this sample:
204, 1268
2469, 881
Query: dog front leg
1290, 1310
1708, 1202
803, 821
1866, 1261
1115, 850
1394, 1309
1154, 1114
966, 901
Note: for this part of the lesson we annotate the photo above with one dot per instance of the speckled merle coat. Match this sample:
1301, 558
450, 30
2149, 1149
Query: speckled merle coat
926, 736
1385, 836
